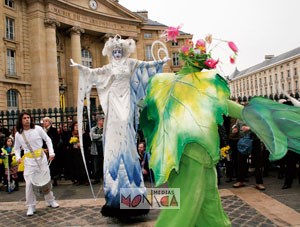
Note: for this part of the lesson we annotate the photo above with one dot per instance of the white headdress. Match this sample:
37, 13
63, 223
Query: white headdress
127, 45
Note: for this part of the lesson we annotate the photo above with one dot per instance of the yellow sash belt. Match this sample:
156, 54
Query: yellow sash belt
37, 153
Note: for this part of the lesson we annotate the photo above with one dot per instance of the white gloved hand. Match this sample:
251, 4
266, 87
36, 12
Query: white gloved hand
165, 59
74, 64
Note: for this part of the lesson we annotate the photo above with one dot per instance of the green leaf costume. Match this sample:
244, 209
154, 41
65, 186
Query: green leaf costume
180, 122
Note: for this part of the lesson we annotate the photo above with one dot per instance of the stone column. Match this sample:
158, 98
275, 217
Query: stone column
37, 47
51, 63
75, 33
134, 54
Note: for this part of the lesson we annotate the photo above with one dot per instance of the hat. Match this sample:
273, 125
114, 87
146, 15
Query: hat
101, 116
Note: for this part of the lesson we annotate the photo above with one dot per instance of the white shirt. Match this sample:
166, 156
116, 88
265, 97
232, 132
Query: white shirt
35, 137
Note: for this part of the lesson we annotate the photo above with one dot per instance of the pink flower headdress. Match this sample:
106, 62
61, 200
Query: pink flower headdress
199, 56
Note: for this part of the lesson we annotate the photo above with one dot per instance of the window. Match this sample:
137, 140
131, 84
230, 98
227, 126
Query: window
174, 44
10, 24
58, 67
288, 73
12, 99
147, 35
11, 62
175, 59
148, 52
9, 3
86, 58
295, 71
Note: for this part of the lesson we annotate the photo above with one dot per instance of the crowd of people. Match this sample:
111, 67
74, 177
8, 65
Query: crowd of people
68, 163
238, 166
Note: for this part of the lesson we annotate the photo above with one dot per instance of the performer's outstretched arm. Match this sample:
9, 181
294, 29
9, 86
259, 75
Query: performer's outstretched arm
234, 109
87, 69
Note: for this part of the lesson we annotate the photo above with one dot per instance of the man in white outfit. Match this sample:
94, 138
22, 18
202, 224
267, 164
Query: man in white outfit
34, 161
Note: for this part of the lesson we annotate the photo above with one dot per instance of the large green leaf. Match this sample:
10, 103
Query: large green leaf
277, 125
182, 109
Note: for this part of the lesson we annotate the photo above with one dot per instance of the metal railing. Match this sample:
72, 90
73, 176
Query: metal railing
57, 115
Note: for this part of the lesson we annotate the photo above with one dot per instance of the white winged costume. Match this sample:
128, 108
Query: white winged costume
120, 85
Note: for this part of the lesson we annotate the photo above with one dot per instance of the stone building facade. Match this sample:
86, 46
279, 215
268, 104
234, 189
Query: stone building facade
40, 36
268, 78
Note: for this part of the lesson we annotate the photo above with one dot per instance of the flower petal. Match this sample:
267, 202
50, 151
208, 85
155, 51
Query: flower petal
232, 46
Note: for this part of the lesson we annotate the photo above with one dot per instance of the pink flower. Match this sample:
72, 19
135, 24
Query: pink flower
201, 45
232, 46
189, 42
172, 33
211, 63
232, 59
185, 49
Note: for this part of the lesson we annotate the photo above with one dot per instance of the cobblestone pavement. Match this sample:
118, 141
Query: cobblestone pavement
245, 207
240, 213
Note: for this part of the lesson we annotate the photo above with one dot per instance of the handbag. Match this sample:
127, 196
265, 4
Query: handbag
245, 144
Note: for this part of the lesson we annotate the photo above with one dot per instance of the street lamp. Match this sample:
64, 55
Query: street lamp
61, 89
62, 103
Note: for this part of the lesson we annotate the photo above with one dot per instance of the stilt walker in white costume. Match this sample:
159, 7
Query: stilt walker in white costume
120, 85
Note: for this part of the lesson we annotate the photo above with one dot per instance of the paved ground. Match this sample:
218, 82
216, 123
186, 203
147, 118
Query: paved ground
245, 207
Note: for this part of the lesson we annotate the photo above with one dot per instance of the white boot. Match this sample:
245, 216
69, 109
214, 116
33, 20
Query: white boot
53, 204
30, 211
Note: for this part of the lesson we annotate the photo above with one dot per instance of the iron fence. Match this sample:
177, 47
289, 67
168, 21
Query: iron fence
57, 115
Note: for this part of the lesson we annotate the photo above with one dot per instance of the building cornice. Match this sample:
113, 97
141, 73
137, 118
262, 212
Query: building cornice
267, 67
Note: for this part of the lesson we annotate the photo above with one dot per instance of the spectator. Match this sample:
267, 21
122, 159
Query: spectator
65, 151
53, 134
78, 175
10, 164
290, 160
144, 158
4, 133
242, 165
97, 149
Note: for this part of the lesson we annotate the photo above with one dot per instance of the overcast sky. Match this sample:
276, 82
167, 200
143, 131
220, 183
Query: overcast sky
258, 27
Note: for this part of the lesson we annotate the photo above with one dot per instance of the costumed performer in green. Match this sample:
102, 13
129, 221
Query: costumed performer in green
180, 121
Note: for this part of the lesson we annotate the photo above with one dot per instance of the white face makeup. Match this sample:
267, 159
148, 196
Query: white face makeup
117, 54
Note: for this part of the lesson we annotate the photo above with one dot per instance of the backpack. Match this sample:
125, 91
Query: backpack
245, 144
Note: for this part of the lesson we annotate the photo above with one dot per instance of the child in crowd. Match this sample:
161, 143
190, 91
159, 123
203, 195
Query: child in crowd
10, 165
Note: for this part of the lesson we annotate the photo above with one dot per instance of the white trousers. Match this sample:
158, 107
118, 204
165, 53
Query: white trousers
30, 167
30, 196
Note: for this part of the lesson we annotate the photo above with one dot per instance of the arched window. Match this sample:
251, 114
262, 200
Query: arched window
86, 57
175, 59
12, 99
